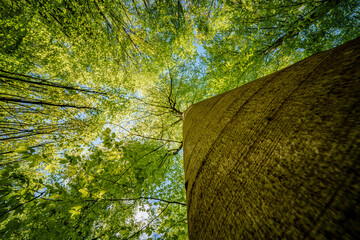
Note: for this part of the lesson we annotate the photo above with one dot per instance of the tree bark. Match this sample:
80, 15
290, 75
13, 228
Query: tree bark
278, 158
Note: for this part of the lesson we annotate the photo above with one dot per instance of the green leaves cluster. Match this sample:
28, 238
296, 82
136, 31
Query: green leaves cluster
245, 40
107, 185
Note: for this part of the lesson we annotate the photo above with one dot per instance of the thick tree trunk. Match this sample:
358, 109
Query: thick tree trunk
278, 158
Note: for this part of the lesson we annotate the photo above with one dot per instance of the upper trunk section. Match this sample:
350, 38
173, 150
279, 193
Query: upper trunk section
279, 157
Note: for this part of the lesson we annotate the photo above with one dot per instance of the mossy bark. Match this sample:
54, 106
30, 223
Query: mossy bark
278, 158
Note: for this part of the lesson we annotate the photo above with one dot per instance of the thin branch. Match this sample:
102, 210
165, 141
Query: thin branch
5, 99
157, 139
35, 146
149, 222
154, 150
22, 204
135, 199
44, 82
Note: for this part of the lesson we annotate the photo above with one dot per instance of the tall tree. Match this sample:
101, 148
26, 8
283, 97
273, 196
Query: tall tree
278, 157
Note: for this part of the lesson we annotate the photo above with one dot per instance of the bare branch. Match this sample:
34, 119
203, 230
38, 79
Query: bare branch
141, 136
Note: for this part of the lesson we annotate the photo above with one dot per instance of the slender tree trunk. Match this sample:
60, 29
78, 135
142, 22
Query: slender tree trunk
278, 158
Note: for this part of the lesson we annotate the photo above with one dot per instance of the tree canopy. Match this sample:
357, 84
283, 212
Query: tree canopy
92, 95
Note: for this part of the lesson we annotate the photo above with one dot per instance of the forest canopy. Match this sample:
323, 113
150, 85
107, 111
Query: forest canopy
92, 95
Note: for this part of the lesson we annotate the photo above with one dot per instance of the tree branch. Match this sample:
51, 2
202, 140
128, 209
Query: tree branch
136, 199
22, 204
149, 222
157, 139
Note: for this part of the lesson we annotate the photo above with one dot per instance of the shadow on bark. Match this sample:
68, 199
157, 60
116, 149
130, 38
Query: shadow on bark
278, 158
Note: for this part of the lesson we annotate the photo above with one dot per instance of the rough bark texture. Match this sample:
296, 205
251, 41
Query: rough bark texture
278, 158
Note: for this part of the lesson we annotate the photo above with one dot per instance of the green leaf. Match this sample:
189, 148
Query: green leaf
84, 192
22, 149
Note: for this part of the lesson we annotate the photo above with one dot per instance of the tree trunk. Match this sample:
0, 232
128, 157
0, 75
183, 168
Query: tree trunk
278, 158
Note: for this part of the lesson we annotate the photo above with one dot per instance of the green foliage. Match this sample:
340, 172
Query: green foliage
246, 40
92, 95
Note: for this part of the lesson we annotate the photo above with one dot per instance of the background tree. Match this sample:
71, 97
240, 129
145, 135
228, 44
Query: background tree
259, 37
31, 106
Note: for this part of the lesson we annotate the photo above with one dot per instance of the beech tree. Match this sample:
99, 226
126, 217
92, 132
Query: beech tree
278, 157
92, 96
